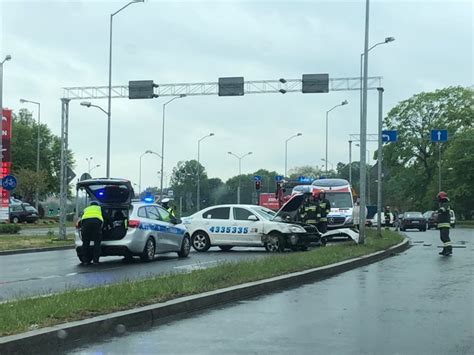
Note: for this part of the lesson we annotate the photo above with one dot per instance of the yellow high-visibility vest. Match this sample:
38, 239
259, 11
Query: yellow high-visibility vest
92, 212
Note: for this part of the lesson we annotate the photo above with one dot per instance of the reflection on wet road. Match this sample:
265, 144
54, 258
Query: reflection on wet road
414, 303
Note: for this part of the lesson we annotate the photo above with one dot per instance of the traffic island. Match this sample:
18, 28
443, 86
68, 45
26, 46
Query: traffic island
152, 301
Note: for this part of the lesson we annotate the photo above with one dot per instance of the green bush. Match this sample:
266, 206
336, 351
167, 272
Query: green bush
9, 228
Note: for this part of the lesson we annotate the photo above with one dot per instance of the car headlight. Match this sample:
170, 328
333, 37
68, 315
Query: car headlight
297, 229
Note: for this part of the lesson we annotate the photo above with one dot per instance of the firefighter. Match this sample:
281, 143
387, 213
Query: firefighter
444, 216
308, 211
387, 216
91, 230
323, 207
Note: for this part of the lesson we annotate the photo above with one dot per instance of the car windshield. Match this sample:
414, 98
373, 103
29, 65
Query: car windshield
339, 199
30, 208
413, 215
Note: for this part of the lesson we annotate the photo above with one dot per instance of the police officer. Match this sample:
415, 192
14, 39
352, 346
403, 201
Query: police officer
91, 230
323, 207
166, 203
444, 218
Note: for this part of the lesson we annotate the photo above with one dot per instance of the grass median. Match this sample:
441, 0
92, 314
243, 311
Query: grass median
14, 242
26, 314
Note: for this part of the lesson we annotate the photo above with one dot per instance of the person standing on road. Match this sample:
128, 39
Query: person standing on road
387, 217
444, 217
91, 230
323, 207
308, 211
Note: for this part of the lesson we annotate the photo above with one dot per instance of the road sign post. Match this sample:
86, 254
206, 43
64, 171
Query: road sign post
439, 136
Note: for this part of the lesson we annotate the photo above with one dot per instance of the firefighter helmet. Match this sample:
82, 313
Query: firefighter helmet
442, 196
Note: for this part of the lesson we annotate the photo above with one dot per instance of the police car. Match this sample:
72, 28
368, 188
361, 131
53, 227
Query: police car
227, 226
133, 228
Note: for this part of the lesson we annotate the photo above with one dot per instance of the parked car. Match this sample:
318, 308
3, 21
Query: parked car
23, 212
431, 218
149, 228
413, 220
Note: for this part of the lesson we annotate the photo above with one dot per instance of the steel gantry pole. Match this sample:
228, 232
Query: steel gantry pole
63, 183
37, 148
327, 117
350, 162
109, 102
286, 150
198, 195
379, 165
163, 143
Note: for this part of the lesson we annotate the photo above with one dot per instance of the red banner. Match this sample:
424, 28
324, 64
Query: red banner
6, 156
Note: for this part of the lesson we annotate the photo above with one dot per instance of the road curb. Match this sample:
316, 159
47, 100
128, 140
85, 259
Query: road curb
34, 250
64, 336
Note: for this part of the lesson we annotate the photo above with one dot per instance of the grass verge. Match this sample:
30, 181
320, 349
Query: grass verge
26, 314
13, 242
44, 224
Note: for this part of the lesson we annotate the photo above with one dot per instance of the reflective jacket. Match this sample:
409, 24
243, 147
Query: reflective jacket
92, 212
324, 207
444, 217
171, 211
309, 214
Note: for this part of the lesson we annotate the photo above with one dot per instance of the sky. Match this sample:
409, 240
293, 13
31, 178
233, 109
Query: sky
56, 44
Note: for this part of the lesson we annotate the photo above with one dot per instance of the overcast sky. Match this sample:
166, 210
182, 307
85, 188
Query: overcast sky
57, 44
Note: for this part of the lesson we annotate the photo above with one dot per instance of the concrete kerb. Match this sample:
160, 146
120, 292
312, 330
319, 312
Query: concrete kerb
34, 250
67, 335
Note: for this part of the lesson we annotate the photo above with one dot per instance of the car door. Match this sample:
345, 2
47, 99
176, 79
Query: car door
173, 236
245, 230
158, 228
218, 225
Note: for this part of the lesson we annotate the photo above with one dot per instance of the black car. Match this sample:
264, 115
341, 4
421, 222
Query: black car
413, 220
23, 212
431, 218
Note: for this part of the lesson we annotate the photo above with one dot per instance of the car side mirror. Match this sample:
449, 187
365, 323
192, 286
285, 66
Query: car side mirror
252, 218
175, 220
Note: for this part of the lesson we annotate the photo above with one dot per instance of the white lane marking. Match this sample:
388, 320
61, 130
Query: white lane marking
197, 266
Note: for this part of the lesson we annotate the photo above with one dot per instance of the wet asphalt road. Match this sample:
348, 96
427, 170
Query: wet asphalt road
415, 303
42, 273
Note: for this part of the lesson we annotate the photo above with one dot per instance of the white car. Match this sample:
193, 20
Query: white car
227, 226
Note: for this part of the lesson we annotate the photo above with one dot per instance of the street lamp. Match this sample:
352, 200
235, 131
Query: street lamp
198, 204
286, 149
240, 170
140, 169
163, 142
88, 104
326, 162
109, 109
89, 163
94, 167
37, 147
368, 175
327, 117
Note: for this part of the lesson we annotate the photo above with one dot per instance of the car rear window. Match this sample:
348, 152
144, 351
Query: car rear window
110, 193
217, 213
413, 215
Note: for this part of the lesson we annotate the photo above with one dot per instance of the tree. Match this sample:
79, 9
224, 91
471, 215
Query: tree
413, 160
308, 171
24, 152
28, 182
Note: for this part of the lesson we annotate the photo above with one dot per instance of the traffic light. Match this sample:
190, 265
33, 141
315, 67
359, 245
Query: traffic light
257, 185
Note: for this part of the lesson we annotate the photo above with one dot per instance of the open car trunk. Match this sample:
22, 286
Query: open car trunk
114, 197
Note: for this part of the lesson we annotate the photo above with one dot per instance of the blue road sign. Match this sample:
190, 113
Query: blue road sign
278, 178
9, 182
389, 136
257, 178
439, 135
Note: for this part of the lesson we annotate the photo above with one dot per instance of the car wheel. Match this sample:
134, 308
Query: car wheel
200, 241
226, 247
274, 243
185, 247
149, 250
15, 220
